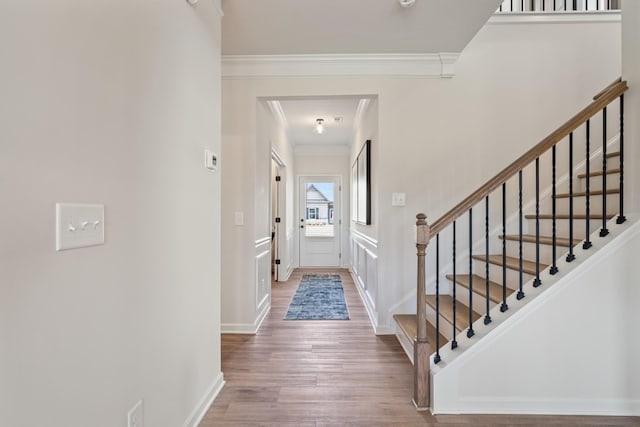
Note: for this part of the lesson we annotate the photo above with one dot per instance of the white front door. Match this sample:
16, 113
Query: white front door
319, 221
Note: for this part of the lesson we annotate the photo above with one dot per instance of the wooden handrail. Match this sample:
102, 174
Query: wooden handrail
604, 98
603, 91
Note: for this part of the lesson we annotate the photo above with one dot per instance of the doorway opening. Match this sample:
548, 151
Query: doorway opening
319, 221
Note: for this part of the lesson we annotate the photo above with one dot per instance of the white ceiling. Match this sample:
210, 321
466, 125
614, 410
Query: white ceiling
321, 27
301, 115
293, 27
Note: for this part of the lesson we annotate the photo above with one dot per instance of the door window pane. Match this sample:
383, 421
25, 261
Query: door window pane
319, 208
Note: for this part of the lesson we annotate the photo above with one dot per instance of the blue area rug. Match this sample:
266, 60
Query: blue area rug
319, 297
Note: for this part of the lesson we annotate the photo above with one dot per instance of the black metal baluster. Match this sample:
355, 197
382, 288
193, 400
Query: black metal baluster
604, 231
554, 5
587, 241
536, 281
521, 5
575, 5
454, 343
504, 307
554, 236
621, 217
487, 317
470, 331
543, 6
520, 291
511, 6
570, 256
437, 358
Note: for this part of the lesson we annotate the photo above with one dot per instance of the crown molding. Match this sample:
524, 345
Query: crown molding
433, 65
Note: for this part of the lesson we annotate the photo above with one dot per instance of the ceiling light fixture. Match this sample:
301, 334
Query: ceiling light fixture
319, 127
406, 3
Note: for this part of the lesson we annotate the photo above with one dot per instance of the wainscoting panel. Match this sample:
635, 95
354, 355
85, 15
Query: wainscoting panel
263, 272
364, 268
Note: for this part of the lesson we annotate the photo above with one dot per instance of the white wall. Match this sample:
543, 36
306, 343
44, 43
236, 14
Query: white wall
439, 139
572, 350
631, 73
109, 102
363, 244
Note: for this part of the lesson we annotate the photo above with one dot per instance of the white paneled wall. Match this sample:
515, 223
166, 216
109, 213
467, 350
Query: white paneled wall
364, 268
263, 272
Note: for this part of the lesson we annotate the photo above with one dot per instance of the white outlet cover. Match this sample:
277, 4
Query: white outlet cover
79, 225
135, 417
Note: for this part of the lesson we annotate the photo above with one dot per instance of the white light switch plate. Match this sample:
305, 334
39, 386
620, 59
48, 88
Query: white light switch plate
79, 225
239, 218
398, 199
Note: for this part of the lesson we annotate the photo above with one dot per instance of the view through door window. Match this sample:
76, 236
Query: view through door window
319, 209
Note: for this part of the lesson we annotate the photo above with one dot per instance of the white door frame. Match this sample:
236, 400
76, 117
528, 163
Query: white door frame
280, 228
337, 200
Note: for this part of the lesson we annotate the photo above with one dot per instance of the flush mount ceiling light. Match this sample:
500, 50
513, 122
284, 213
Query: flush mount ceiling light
319, 129
406, 3
192, 2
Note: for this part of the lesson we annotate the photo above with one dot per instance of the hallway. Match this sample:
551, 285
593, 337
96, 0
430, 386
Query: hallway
333, 373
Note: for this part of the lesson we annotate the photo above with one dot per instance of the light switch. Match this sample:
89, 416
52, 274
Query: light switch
239, 218
398, 199
79, 225
210, 160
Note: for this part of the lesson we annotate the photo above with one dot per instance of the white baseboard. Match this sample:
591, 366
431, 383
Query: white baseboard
588, 407
246, 328
287, 274
205, 402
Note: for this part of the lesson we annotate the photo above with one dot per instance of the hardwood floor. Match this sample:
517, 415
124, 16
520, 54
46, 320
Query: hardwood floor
334, 373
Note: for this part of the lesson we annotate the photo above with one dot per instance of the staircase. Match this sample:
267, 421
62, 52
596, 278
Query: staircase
506, 239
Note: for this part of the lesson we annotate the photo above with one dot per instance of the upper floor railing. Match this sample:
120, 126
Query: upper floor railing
552, 6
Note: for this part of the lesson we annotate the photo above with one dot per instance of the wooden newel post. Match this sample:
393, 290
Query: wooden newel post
421, 348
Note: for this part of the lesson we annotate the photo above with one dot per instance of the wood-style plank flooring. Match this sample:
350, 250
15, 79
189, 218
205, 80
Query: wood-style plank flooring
334, 373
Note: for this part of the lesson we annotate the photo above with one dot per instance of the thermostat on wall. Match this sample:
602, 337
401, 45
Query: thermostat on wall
210, 160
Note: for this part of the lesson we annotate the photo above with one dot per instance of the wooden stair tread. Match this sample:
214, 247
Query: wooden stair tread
614, 154
599, 173
512, 263
446, 311
544, 240
408, 323
566, 216
480, 286
591, 193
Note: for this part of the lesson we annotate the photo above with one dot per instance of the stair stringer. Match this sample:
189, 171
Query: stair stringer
569, 347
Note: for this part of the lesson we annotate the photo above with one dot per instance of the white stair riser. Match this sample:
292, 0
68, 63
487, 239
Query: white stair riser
580, 204
613, 180
495, 275
562, 227
479, 302
529, 251
446, 328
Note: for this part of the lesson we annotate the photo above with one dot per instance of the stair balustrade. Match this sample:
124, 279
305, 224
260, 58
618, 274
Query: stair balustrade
553, 6
447, 306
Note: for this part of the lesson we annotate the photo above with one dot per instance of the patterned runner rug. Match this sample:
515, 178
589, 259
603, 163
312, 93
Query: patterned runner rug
319, 297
